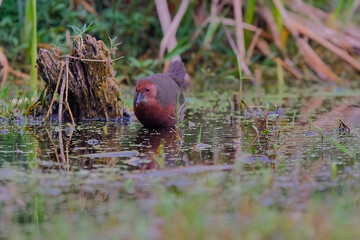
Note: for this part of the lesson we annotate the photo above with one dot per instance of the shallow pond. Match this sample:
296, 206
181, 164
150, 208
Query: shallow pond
298, 149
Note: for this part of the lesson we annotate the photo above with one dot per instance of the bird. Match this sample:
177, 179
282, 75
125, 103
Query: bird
159, 100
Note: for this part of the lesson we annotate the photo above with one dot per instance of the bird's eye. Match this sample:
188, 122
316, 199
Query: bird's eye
147, 89
137, 90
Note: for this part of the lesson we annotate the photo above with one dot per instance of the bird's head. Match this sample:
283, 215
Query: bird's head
145, 91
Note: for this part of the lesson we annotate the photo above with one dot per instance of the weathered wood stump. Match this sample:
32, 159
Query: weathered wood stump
93, 92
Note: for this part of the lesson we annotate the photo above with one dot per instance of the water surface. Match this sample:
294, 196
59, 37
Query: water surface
293, 140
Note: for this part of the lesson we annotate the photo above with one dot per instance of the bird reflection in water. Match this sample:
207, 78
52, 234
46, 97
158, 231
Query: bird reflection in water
160, 148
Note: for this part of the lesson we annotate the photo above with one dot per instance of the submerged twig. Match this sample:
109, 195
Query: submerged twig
61, 146
55, 147
67, 148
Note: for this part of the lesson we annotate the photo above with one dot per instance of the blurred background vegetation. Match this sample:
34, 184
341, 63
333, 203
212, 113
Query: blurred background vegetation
204, 37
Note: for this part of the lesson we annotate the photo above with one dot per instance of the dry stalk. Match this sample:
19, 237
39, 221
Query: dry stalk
165, 22
270, 22
171, 31
344, 41
239, 28
244, 66
315, 62
264, 48
307, 9
240, 36
68, 39
90, 60
253, 44
286, 18
5, 67
352, 31
61, 98
327, 44
18, 74
67, 90
88, 7
228, 22
56, 89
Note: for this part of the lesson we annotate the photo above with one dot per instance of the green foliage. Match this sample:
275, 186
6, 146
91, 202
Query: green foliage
310, 122
277, 16
84, 29
141, 68
199, 136
11, 24
30, 32
344, 10
131, 22
4, 92
211, 30
183, 45
113, 45
249, 18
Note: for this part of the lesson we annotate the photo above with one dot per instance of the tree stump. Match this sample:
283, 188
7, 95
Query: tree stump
92, 90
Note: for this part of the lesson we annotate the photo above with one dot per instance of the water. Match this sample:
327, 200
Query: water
208, 137
46, 170
79, 146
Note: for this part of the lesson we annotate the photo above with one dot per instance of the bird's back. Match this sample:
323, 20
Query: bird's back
167, 90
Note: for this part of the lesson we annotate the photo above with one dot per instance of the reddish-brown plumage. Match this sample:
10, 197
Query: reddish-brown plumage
156, 100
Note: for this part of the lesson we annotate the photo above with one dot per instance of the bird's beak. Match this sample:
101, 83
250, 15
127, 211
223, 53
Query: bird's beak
139, 99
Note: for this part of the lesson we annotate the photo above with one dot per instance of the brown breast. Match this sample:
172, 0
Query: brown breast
152, 114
